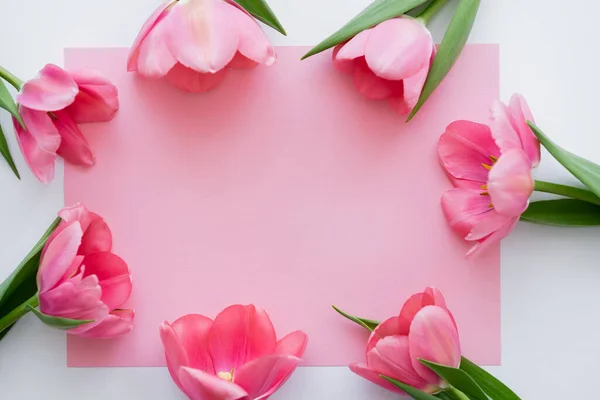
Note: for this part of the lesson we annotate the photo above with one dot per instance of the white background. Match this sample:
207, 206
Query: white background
550, 320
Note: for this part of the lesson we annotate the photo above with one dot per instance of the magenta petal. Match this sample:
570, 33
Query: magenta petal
97, 237
199, 385
370, 85
97, 100
371, 375
261, 377
74, 148
113, 276
464, 209
240, 61
52, 90
175, 354
188, 80
118, 322
493, 238
293, 344
192, 331
389, 327
58, 257
510, 183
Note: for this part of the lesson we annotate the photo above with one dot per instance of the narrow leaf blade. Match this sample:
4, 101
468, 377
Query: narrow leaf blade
377, 12
562, 212
58, 323
450, 49
260, 10
414, 393
8, 103
491, 385
457, 378
368, 324
5, 151
584, 170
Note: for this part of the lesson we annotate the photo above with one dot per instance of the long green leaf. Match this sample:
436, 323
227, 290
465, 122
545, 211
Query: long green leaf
5, 151
8, 103
457, 378
414, 393
452, 45
260, 10
492, 386
58, 323
377, 12
562, 212
368, 324
586, 171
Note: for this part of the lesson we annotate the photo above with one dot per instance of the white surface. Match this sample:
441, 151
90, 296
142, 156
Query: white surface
549, 275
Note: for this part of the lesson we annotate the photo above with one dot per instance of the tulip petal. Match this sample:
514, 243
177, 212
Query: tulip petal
52, 90
118, 322
345, 54
97, 100
199, 385
175, 355
97, 236
433, 337
39, 125
372, 86
464, 148
253, 42
389, 327
465, 209
520, 114
510, 183
155, 18
292, 344
413, 85
261, 377
154, 59
398, 48
73, 146
113, 276
371, 375
391, 358
240, 334
488, 225
411, 307
192, 330
188, 80
58, 257
493, 238
240, 61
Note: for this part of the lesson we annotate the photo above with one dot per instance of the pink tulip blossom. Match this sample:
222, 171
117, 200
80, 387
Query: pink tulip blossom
80, 278
490, 168
389, 61
51, 105
236, 356
425, 329
192, 42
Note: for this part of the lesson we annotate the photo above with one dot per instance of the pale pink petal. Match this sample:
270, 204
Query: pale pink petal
39, 125
293, 344
411, 307
344, 54
97, 236
371, 375
261, 377
148, 26
412, 86
113, 275
199, 385
192, 330
39, 160
74, 148
520, 114
464, 209
493, 239
188, 80
436, 294
389, 327
78, 212
398, 48
253, 43
433, 337
118, 322
52, 90
154, 58
391, 358
240, 334
464, 148
510, 183
175, 354
487, 225
58, 257
97, 100
371, 86
240, 61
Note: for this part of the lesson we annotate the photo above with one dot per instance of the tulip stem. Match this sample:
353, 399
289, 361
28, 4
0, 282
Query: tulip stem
431, 10
9, 319
10, 78
457, 394
567, 191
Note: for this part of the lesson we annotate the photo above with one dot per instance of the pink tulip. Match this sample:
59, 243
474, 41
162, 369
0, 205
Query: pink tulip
389, 61
51, 106
236, 356
192, 42
491, 172
425, 329
79, 278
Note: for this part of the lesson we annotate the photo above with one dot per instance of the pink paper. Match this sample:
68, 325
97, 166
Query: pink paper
284, 188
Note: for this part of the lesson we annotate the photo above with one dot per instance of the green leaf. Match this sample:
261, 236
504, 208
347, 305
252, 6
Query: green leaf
452, 45
377, 12
562, 212
260, 10
457, 378
586, 171
25, 273
414, 393
58, 323
8, 103
5, 151
365, 323
492, 386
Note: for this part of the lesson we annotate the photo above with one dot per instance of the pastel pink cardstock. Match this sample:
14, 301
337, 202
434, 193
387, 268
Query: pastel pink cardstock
285, 188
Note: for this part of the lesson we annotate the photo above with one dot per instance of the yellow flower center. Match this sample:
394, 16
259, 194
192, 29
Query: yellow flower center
226, 375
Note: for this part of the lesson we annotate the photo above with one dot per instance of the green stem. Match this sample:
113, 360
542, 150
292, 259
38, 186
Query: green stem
431, 10
10, 78
457, 394
567, 191
17, 313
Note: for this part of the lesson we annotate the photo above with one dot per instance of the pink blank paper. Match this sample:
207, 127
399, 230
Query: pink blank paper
285, 188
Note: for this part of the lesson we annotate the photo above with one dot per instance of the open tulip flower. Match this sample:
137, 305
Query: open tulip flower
490, 167
234, 357
51, 105
192, 42
389, 61
79, 278
425, 329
